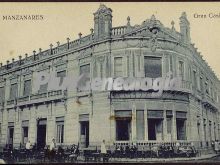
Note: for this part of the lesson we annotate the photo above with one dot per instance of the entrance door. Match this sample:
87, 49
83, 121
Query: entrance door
41, 133
10, 135
84, 133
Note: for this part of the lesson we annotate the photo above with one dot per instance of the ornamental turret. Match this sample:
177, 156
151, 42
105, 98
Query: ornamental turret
184, 28
102, 22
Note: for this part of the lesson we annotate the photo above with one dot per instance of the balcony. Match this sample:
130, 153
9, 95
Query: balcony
37, 98
209, 102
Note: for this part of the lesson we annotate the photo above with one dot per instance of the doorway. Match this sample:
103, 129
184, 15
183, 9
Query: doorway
84, 133
10, 135
41, 133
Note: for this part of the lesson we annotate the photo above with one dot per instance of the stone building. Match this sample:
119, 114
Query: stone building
118, 116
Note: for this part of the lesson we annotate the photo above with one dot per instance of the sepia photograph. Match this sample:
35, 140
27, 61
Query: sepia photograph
109, 82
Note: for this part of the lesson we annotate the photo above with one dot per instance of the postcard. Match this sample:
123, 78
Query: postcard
109, 82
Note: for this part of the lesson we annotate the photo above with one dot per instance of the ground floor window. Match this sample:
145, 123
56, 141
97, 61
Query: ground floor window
59, 129
84, 133
123, 129
10, 133
25, 135
123, 124
155, 124
155, 127
181, 129
181, 125
25, 131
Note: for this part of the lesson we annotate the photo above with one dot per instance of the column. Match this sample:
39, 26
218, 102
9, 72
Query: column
4, 136
173, 136
145, 125
164, 126
17, 129
133, 123
51, 123
32, 131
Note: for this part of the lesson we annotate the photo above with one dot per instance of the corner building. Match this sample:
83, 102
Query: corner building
88, 117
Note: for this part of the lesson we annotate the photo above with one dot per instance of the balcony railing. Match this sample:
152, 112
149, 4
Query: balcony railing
38, 97
118, 31
10, 102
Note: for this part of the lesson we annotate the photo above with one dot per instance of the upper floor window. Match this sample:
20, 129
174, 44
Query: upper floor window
13, 91
61, 75
171, 64
27, 88
85, 69
206, 86
2, 94
181, 69
194, 79
153, 67
43, 87
118, 69
201, 83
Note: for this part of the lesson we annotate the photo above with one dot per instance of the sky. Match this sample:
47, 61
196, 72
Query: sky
62, 20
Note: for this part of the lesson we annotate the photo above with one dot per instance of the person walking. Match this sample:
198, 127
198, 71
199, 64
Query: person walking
216, 145
28, 148
52, 149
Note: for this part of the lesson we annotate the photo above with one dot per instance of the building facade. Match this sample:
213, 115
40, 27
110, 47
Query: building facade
118, 116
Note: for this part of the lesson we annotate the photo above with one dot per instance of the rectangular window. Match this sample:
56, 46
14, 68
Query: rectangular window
201, 84
2, 94
153, 67
60, 129
171, 64
123, 125
194, 79
85, 69
181, 69
207, 86
25, 131
204, 128
27, 88
61, 75
118, 69
181, 125
43, 88
13, 91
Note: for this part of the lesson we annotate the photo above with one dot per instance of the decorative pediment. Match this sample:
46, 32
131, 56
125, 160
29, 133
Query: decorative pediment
85, 53
26, 71
151, 27
43, 66
60, 61
14, 75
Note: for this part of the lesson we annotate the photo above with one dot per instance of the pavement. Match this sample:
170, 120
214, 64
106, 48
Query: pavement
202, 157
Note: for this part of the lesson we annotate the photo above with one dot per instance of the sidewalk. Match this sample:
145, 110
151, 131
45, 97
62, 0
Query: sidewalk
203, 157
